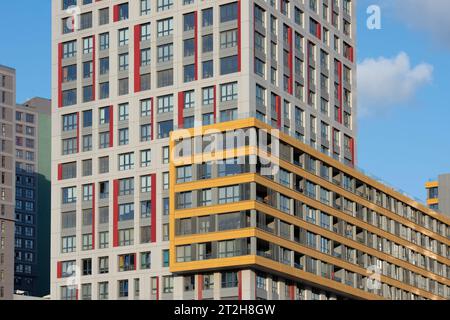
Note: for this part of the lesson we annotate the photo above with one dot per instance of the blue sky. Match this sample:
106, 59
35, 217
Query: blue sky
403, 127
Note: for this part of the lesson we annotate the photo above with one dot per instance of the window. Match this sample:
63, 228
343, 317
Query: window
126, 237
146, 260
146, 158
188, 22
127, 262
123, 288
87, 45
69, 195
207, 17
168, 284
207, 69
126, 161
126, 187
229, 194
165, 254
165, 27
189, 73
87, 242
146, 184
184, 174
70, 73
123, 112
228, 92
164, 5
123, 62
123, 136
103, 291
165, 52
145, 7
228, 39
228, 12
229, 280
68, 244
69, 49
146, 209
146, 132
165, 78
164, 129
146, 108
104, 240
228, 65
123, 37
70, 122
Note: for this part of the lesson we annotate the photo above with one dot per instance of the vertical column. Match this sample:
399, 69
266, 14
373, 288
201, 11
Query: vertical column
247, 285
200, 287
290, 61
278, 110
116, 13
180, 110
137, 57
60, 168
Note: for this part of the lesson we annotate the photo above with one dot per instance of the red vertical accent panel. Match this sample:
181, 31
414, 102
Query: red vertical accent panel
240, 285
153, 223
137, 58
319, 31
180, 110
93, 216
239, 39
200, 287
60, 74
59, 172
111, 126
292, 292
59, 270
116, 13
291, 61
157, 288
116, 213
278, 110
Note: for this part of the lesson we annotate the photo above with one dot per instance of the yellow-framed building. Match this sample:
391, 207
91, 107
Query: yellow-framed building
314, 229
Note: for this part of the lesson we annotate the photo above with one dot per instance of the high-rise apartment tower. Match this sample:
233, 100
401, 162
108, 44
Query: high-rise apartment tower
129, 223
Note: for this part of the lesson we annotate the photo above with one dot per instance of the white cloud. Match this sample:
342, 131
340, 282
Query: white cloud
385, 83
430, 16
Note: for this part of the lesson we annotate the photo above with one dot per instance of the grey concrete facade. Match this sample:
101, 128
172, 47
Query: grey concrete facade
7, 102
32, 158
